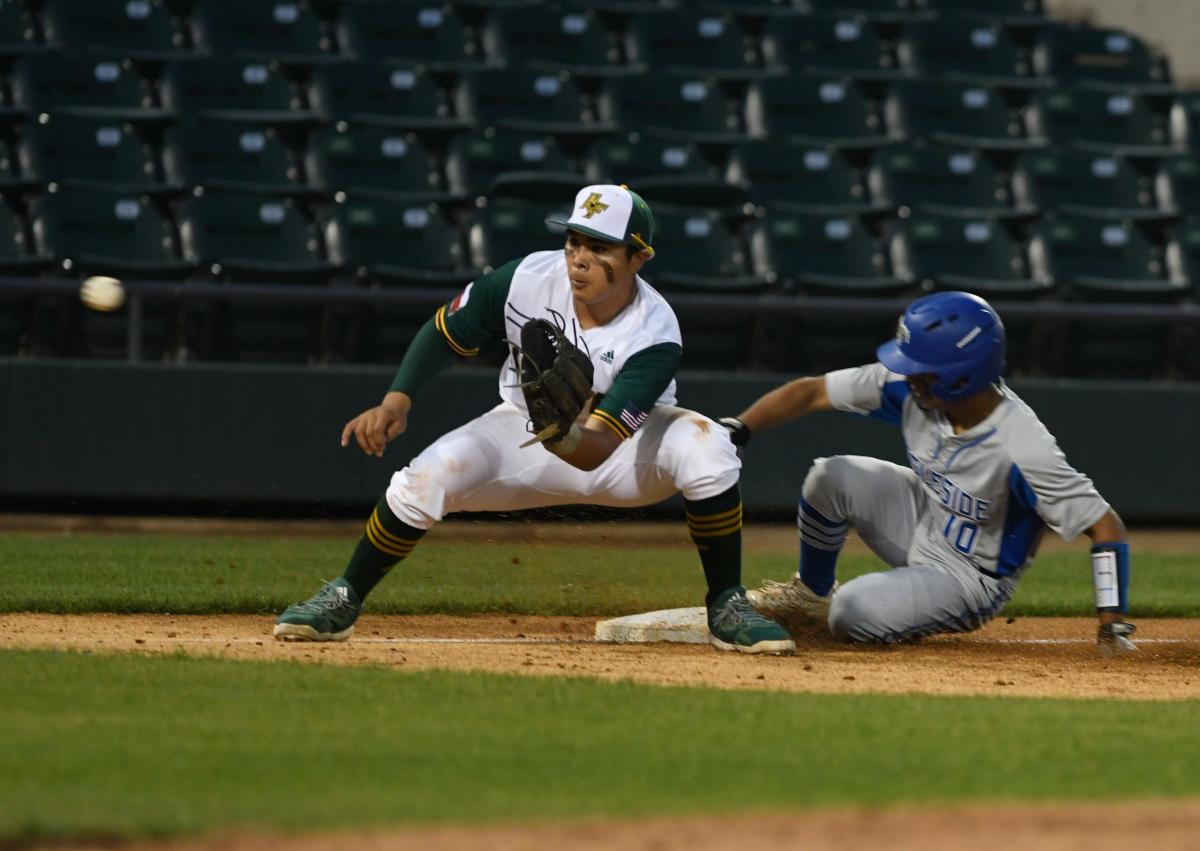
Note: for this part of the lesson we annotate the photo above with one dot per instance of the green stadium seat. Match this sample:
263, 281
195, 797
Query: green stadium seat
691, 41
134, 29
391, 241
18, 34
1083, 183
967, 49
105, 232
82, 150
1185, 121
386, 95
1183, 253
1121, 122
1100, 258
882, 11
552, 38
1177, 181
843, 43
955, 253
1012, 13
955, 181
625, 159
83, 85
275, 30
509, 228
11, 178
512, 163
817, 109
1080, 53
231, 155
415, 31
521, 99
673, 106
16, 258
793, 175
822, 253
697, 250
232, 88
252, 238
361, 158
956, 113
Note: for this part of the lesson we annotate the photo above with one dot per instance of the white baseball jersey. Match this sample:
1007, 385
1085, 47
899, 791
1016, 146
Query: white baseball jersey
992, 489
641, 344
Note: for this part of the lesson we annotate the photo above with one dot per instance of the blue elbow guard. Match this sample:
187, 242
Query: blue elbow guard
1110, 572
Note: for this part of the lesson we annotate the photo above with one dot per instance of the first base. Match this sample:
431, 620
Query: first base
681, 626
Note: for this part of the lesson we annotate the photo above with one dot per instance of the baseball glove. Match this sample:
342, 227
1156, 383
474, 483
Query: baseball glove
556, 378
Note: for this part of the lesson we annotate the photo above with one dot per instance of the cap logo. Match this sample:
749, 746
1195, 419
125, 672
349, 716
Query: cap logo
902, 335
593, 205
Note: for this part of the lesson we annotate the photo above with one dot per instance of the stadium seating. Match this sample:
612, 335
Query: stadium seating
793, 175
228, 87
358, 158
843, 43
555, 39
1087, 182
956, 253
508, 162
849, 148
954, 112
384, 94
106, 232
1119, 122
814, 108
412, 31
263, 29
82, 150
391, 241
146, 29
1084, 54
84, 85
815, 252
948, 178
231, 155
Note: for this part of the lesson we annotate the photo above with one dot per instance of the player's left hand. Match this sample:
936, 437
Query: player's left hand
1113, 638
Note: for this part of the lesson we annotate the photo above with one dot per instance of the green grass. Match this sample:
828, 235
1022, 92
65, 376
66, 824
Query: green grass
182, 574
127, 745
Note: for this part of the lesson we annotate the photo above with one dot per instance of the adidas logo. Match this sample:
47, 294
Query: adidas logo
607, 357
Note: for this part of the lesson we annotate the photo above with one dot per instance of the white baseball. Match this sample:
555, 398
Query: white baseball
102, 293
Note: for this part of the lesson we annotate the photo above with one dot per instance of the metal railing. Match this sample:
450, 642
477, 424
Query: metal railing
140, 293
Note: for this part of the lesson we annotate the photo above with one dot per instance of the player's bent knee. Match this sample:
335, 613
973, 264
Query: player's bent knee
700, 455
853, 617
827, 475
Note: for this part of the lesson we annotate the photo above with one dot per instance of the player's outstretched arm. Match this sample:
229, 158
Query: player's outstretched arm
1110, 569
788, 402
374, 427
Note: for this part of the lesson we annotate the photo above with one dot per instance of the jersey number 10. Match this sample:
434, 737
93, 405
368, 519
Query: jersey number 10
961, 534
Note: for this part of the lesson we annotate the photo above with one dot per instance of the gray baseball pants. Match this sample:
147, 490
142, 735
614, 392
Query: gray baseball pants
883, 503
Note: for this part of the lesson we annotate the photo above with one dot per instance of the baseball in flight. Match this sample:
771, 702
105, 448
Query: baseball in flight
102, 293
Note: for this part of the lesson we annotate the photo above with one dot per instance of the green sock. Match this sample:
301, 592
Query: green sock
716, 527
386, 541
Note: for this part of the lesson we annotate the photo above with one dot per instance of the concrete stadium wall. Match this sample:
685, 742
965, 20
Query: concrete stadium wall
1171, 26
113, 434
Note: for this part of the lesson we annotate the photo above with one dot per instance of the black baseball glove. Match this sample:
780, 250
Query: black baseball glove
556, 378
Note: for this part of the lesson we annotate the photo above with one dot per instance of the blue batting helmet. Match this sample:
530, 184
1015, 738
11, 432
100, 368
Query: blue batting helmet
954, 336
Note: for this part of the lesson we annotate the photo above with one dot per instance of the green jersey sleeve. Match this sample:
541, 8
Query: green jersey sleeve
638, 387
476, 315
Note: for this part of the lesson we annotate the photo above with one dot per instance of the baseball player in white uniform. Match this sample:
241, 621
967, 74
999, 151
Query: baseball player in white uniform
630, 446
961, 523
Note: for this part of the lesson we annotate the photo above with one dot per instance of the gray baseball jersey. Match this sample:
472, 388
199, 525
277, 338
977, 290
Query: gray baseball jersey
992, 489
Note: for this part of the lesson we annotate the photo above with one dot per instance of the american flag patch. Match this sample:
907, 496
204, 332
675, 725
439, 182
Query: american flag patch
632, 416
460, 300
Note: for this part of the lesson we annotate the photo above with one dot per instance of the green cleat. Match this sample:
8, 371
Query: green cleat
329, 615
733, 624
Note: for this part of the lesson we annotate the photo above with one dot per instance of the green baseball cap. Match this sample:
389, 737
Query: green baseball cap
611, 213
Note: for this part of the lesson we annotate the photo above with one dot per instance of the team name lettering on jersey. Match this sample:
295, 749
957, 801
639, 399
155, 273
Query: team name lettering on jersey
953, 497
